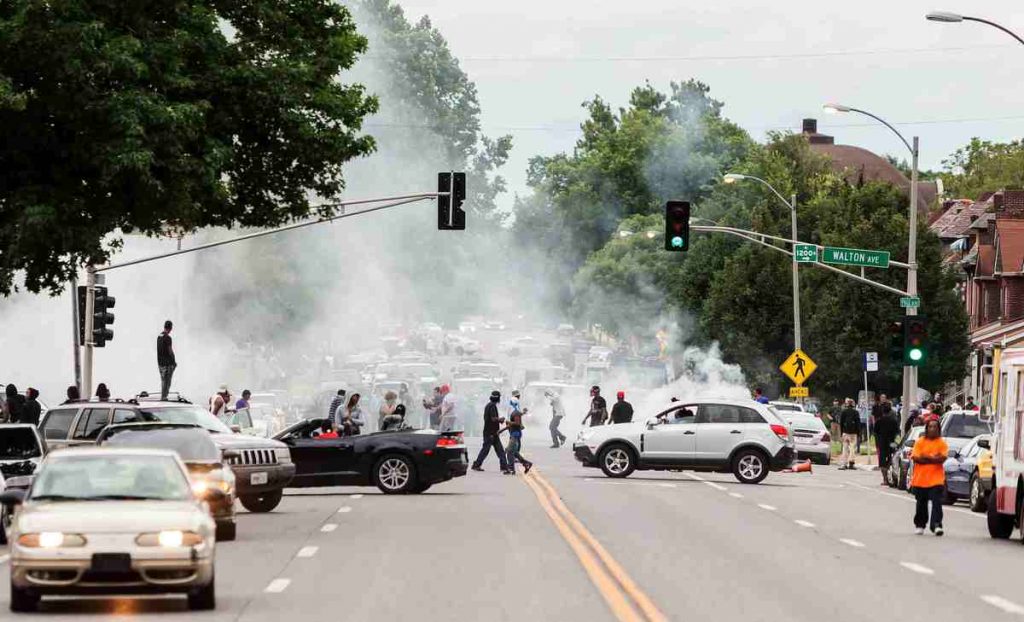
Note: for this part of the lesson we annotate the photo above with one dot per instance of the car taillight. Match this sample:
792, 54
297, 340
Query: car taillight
450, 441
781, 431
826, 438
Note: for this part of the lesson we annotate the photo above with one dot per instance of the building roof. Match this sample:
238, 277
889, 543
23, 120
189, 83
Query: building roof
986, 260
860, 165
956, 221
1010, 242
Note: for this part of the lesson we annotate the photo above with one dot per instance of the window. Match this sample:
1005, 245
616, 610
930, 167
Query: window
681, 415
749, 415
125, 415
91, 423
719, 413
58, 424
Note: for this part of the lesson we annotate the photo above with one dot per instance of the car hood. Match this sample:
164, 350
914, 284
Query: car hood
244, 441
110, 516
956, 443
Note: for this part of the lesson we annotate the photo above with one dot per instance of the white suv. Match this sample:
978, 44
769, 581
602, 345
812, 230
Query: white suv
723, 435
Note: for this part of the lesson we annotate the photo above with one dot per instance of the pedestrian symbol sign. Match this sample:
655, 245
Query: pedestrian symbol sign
798, 367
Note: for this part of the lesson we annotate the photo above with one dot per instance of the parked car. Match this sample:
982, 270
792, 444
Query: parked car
110, 521
522, 346
812, 439
719, 435
900, 467
963, 480
21, 449
212, 480
494, 325
262, 467
787, 407
959, 427
402, 461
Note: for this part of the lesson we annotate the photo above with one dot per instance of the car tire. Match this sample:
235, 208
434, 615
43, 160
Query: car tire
1000, 526
978, 499
394, 474
617, 461
23, 600
421, 488
226, 531
750, 466
204, 598
261, 503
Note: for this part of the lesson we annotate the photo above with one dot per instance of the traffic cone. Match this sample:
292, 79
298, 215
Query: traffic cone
799, 467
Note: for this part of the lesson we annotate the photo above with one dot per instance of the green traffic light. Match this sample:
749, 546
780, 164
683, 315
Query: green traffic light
677, 242
916, 354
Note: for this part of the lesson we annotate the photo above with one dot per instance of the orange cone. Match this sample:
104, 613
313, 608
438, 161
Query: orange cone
802, 467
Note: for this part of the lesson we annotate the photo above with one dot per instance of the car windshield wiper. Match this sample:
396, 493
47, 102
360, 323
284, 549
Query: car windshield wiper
126, 498
58, 498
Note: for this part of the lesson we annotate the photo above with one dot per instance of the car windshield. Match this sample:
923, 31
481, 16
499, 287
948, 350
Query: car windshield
104, 476
18, 443
808, 422
192, 445
964, 426
184, 414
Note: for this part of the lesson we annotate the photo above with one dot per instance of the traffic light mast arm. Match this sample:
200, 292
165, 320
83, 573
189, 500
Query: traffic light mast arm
761, 237
388, 202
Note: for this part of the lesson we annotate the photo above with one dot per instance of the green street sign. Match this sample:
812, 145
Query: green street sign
805, 253
855, 257
910, 302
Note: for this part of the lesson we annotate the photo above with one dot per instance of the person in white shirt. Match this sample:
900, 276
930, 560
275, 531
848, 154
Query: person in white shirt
448, 403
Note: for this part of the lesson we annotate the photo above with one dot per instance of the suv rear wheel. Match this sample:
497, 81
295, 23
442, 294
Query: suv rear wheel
263, 502
750, 466
1000, 526
617, 461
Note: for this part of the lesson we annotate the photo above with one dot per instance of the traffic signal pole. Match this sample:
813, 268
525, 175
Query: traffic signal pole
796, 282
90, 309
910, 371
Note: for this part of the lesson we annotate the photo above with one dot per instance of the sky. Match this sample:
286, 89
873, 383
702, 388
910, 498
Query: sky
772, 64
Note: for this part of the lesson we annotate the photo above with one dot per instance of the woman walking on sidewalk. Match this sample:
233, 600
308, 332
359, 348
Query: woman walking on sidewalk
929, 479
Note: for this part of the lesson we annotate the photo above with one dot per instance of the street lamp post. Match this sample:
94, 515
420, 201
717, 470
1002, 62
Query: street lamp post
954, 18
909, 372
734, 177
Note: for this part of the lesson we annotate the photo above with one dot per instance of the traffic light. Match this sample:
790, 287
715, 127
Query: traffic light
81, 314
896, 341
677, 226
915, 340
102, 318
450, 215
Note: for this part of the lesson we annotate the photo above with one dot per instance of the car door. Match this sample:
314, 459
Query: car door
721, 429
323, 461
674, 439
89, 425
56, 427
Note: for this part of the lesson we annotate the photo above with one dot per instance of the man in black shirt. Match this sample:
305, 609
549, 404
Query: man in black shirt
32, 410
622, 411
165, 359
492, 421
598, 412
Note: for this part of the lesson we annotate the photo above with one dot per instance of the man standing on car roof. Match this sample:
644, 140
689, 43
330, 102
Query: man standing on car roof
622, 411
598, 412
492, 422
165, 361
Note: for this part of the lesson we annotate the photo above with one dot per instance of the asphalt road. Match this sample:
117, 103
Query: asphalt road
573, 545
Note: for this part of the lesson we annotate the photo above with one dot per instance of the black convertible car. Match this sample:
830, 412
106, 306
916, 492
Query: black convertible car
399, 461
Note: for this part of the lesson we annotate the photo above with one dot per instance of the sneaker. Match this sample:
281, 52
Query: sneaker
477, 468
938, 530
508, 472
919, 531
526, 469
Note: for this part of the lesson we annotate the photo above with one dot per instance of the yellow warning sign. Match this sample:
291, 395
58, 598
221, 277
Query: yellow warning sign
799, 392
798, 367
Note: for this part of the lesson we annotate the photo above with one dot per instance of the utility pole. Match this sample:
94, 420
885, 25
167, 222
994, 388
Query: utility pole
909, 371
90, 309
74, 329
796, 281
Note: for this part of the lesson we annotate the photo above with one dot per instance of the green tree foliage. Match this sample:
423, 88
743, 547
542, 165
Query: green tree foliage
984, 166
148, 116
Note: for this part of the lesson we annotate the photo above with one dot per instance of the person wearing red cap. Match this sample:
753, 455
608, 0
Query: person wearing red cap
622, 411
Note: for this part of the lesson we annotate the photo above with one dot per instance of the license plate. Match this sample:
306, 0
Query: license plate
257, 479
111, 562
805, 440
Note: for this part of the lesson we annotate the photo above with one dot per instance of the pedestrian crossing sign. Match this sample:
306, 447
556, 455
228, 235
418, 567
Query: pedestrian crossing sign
798, 367
799, 392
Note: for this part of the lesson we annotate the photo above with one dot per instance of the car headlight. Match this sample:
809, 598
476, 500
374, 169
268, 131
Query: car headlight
203, 486
283, 454
170, 539
51, 540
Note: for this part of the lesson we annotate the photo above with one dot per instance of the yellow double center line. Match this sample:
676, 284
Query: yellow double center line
627, 601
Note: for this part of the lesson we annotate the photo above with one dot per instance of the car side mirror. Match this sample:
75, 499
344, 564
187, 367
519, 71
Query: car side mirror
11, 498
236, 428
984, 443
653, 421
231, 454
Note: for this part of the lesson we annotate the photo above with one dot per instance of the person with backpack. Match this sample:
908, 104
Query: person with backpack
515, 441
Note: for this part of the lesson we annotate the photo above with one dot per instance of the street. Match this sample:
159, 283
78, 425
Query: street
828, 545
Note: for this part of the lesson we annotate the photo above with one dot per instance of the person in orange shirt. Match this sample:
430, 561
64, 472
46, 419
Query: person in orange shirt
929, 480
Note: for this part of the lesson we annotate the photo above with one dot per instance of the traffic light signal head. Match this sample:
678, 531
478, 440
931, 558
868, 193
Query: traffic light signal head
896, 342
450, 215
677, 226
102, 318
915, 340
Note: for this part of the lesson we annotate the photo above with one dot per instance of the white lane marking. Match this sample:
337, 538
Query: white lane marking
307, 551
344, 509
716, 486
1006, 605
910, 499
277, 586
918, 568
357, 496
693, 476
735, 495
804, 523
4, 558
667, 485
329, 527
854, 543
770, 508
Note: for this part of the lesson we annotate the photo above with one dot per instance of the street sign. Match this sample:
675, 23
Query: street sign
855, 257
871, 361
799, 391
910, 302
805, 253
798, 367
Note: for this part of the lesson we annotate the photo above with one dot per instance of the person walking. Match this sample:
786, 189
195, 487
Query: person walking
929, 478
387, 408
14, 406
243, 402
760, 397
557, 413
449, 402
351, 419
598, 412
165, 361
515, 441
32, 409
887, 429
492, 422
622, 411
849, 425
336, 402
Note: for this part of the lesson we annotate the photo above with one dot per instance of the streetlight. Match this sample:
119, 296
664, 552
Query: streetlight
909, 372
731, 178
954, 18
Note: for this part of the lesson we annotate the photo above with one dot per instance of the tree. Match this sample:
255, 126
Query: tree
144, 117
984, 166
